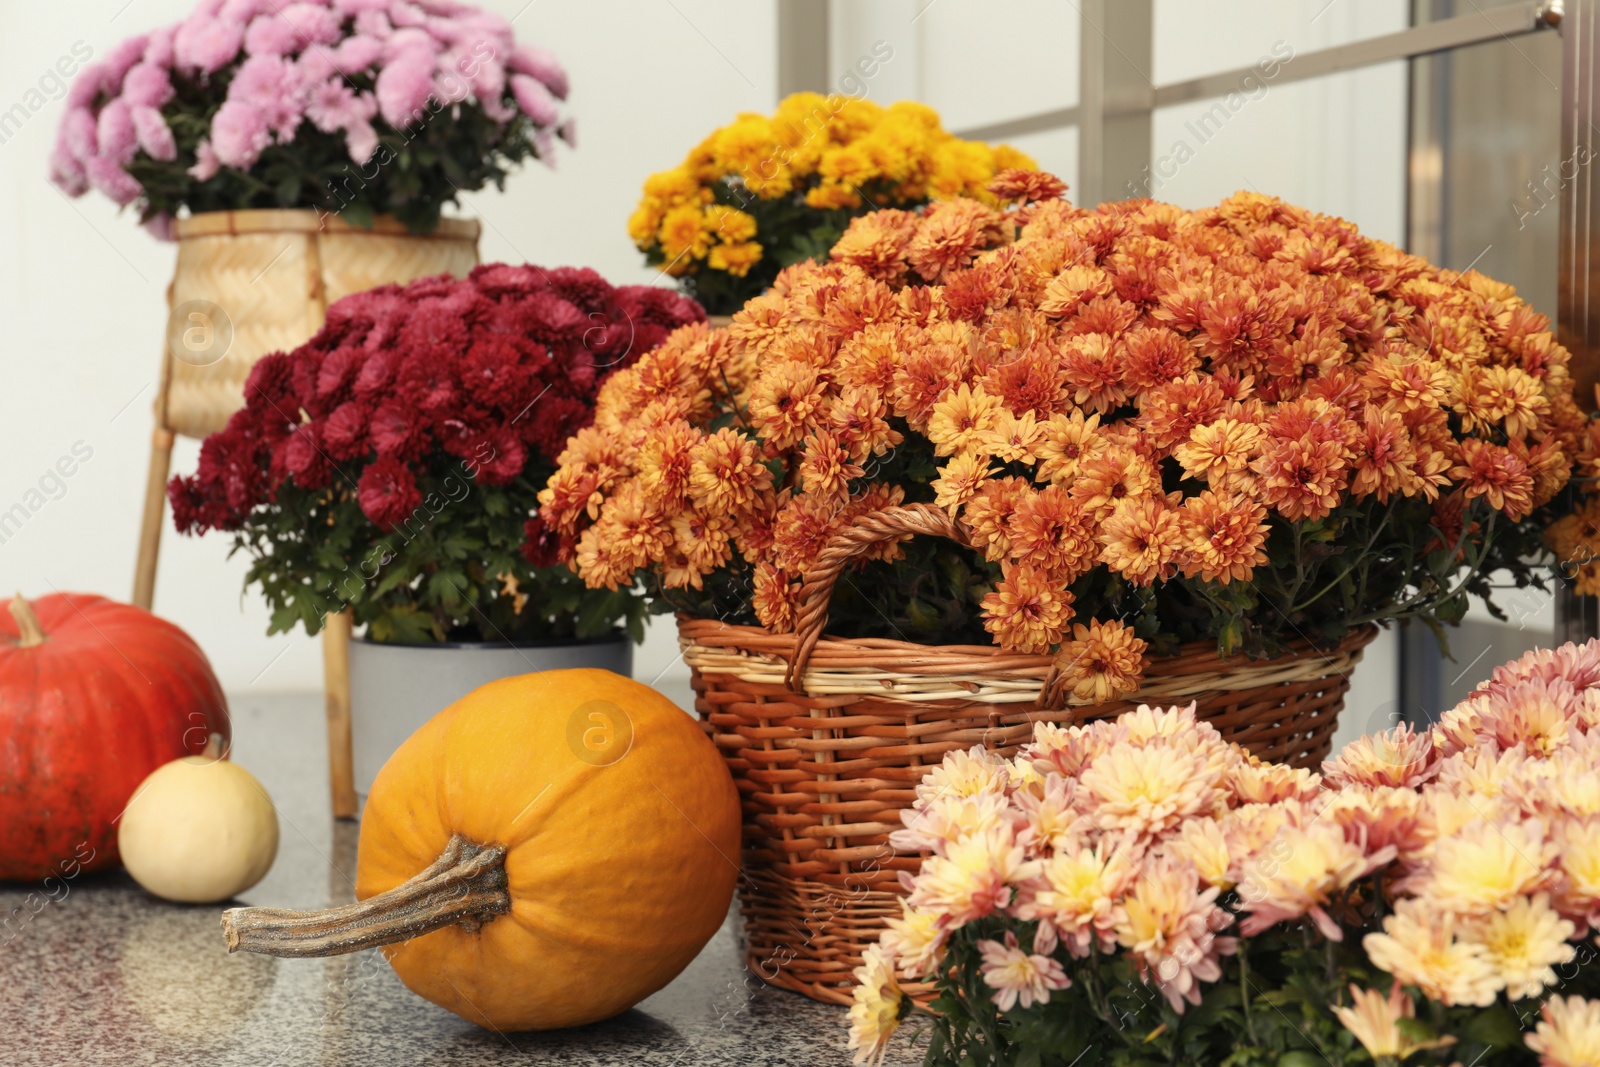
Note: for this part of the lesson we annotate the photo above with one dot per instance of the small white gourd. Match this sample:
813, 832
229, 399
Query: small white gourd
199, 830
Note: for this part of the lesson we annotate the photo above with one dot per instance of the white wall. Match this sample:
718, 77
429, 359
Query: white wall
83, 288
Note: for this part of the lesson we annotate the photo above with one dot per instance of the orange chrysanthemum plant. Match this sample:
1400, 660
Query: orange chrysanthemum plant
1247, 424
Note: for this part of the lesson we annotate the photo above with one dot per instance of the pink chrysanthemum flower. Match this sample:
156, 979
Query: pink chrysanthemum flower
1171, 925
1206, 846
1044, 816
916, 940
1398, 757
1018, 977
1074, 894
1375, 1021
1535, 714
974, 877
1577, 889
1062, 750
1377, 817
1252, 781
1299, 872
1524, 944
1148, 788
976, 770
931, 825
878, 1007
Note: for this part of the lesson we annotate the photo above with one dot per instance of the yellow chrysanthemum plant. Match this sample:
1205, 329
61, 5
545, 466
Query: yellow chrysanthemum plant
1142, 892
765, 192
1247, 425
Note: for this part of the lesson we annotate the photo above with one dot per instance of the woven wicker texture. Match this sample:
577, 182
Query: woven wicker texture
272, 274
827, 739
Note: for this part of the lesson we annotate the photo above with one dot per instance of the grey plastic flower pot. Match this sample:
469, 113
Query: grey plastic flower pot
394, 689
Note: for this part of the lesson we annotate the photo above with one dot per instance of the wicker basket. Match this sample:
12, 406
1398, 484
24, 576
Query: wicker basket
828, 738
272, 274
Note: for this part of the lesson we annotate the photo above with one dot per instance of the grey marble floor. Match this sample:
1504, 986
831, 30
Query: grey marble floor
108, 975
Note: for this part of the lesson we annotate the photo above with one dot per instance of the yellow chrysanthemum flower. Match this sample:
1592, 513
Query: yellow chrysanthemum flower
684, 234
1419, 947
877, 1008
1485, 866
1375, 1021
736, 259
832, 195
1568, 1034
1524, 943
729, 224
915, 939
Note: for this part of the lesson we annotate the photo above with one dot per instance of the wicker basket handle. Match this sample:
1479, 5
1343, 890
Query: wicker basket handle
844, 546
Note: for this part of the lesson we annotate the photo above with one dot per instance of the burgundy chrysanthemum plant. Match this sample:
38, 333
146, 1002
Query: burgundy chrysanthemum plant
390, 465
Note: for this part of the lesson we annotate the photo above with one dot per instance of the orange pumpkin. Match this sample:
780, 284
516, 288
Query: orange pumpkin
546, 852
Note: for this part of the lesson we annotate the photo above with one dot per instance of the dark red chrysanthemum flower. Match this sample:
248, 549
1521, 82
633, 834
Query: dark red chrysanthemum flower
344, 432
387, 493
396, 431
305, 459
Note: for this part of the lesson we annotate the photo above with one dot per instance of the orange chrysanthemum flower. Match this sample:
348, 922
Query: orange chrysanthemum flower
988, 515
826, 469
1011, 438
1495, 474
664, 464
786, 400
1111, 476
959, 480
1101, 661
1091, 367
1141, 539
774, 598
1224, 535
1300, 478
704, 542
858, 417
1217, 449
801, 529
1028, 610
1051, 529
960, 418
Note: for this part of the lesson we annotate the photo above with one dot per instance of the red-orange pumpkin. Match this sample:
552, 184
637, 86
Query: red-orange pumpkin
94, 695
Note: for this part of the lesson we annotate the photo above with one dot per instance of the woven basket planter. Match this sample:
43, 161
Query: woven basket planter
272, 275
827, 739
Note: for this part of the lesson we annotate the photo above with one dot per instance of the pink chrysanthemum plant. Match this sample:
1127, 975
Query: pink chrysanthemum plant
1145, 890
352, 107
1247, 424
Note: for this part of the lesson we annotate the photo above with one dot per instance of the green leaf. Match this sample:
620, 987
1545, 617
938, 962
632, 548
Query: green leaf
1494, 1026
359, 213
1301, 1058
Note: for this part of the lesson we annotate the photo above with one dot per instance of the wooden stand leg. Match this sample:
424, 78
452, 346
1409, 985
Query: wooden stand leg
336, 683
155, 500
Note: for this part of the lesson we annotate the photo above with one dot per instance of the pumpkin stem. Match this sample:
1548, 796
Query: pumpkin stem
27, 622
213, 750
466, 885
